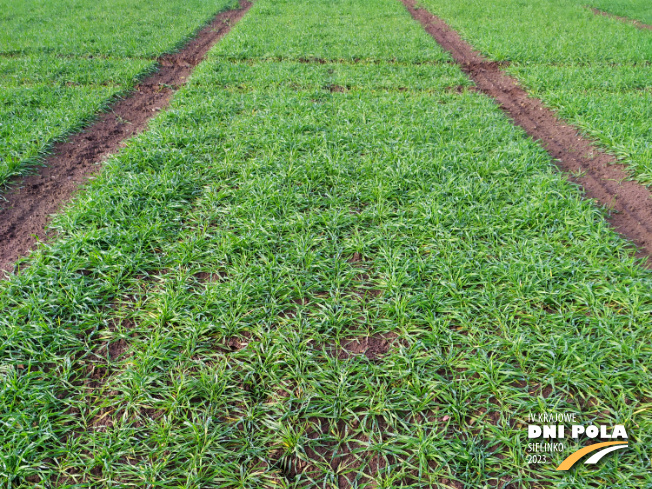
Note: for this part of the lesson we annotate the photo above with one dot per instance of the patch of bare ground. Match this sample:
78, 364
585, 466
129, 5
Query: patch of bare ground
291, 312
600, 175
206, 277
235, 343
103, 356
540, 391
337, 88
33, 199
336, 447
99, 366
373, 347
451, 483
626, 20
351, 454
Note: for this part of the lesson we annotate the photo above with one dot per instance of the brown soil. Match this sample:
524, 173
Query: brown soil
334, 444
373, 347
33, 199
601, 177
337, 88
237, 344
206, 277
626, 20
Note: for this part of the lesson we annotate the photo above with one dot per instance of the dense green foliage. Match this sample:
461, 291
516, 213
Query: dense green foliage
330, 32
188, 325
640, 10
117, 28
62, 62
595, 71
44, 99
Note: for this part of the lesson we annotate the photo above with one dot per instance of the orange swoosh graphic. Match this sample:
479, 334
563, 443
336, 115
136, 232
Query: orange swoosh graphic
574, 457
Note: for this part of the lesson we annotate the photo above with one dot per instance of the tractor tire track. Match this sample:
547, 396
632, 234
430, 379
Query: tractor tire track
626, 20
28, 206
600, 174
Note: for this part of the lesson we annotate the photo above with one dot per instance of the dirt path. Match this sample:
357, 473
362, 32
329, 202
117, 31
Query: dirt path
626, 20
33, 199
598, 173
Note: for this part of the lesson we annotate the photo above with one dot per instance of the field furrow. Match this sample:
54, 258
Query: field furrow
629, 202
62, 63
627, 20
630, 10
590, 58
26, 210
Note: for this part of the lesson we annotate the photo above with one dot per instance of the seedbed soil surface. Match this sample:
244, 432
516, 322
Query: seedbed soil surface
332, 262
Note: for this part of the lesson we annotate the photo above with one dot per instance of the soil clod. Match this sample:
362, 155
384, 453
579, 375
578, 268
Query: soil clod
373, 347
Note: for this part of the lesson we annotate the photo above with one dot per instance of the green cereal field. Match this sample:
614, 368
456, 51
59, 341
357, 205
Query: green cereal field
332, 261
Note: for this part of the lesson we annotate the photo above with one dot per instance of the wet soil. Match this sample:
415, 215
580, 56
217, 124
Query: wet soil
31, 200
599, 174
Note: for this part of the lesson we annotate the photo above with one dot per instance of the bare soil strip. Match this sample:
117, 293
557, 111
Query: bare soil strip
28, 206
599, 174
626, 20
